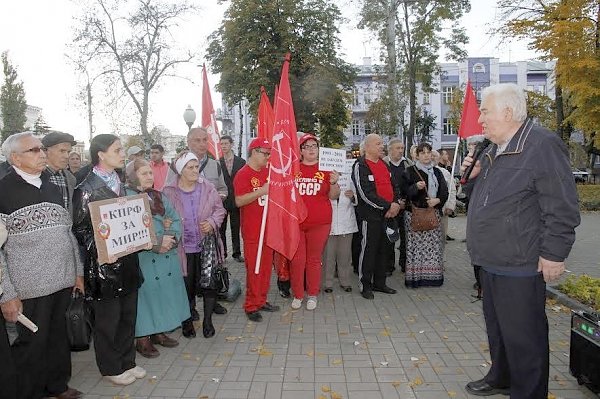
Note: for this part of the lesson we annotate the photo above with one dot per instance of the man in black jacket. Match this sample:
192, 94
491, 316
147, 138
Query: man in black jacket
378, 201
230, 165
521, 223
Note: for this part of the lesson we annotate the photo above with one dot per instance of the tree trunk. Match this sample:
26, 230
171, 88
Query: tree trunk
391, 73
89, 104
144, 122
560, 112
241, 130
412, 101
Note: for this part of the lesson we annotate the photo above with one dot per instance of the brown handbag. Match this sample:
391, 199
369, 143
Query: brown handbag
423, 219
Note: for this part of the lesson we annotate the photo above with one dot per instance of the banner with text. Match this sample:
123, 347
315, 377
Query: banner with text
122, 226
331, 159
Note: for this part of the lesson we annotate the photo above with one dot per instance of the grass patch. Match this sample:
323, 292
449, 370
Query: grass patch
584, 289
589, 196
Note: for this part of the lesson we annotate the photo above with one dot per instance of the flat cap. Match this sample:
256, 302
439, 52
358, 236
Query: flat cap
55, 138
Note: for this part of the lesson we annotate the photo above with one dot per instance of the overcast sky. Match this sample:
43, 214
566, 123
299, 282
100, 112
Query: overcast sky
36, 33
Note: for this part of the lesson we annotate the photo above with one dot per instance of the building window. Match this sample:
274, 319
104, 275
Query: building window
426, 98
367, 95
355, 128
367, 128
448, 128
355, 96
447, 93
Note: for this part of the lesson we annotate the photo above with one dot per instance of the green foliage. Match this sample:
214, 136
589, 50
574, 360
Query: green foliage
248, 49
12, 100
589, 196
182, 145
382, 116
420, 27
333, 118
40, 126
424, 125
541, 108
583, 288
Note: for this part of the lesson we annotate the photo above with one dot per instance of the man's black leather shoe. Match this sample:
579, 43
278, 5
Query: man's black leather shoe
219, 309
482, 388
254, 316
267, 307
367, 294
385, 289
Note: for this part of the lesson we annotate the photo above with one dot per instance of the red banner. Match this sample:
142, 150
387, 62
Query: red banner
286, 209
264, 124
469, 125
209, 120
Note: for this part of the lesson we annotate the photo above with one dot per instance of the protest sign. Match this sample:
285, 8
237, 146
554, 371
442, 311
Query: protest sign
345, 182
122, 226
331, 159
348, 165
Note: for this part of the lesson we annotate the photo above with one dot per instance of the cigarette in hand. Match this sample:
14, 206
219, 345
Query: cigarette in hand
21, 318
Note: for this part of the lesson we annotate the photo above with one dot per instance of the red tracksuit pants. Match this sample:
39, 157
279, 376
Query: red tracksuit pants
307, 261
257, 285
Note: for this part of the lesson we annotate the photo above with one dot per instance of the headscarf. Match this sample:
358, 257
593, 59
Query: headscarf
185, 158
432, 183
111, 179
155, 198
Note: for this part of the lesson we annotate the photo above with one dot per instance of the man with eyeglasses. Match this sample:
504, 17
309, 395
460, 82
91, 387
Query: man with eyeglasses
58, 147
251, 188
42, 266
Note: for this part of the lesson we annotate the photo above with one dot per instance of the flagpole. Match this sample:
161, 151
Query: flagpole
454, 160
263, 224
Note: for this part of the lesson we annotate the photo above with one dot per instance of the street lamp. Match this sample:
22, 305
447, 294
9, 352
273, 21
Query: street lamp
189, 116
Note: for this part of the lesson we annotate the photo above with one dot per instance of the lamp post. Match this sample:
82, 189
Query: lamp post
189, 116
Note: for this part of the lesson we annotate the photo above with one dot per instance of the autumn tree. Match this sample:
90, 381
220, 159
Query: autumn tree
420, 31
567, 31
12, 100
542, 109
132, 41
248, 49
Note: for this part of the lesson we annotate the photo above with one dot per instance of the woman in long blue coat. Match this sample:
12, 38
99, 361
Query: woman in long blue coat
162, 299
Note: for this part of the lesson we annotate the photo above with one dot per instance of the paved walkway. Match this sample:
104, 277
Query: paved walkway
426, 344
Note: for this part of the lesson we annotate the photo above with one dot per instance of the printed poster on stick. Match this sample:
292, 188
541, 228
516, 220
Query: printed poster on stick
331, 159
122, 226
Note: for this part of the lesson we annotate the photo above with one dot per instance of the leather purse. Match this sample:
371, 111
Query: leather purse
213, 274
423, 219
79, 322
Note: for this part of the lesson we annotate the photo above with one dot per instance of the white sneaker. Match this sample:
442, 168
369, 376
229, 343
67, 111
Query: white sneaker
311, 304
137, 372
124, 378
296, 303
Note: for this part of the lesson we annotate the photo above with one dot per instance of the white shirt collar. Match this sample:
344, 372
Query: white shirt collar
34, 180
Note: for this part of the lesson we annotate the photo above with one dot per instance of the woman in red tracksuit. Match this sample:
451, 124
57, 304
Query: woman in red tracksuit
316, 188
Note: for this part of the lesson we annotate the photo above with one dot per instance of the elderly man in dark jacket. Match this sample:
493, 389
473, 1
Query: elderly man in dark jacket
58, 147
521, 223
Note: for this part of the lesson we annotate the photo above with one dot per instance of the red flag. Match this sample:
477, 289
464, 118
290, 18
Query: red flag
286, 209
264, 123
209, 121
469, 126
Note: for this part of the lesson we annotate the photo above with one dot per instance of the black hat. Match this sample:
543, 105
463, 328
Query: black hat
55, 138
392, 230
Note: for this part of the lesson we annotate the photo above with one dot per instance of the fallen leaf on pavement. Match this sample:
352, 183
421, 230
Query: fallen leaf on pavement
335, 395
451, 394
396, 384
336, 361
325, 388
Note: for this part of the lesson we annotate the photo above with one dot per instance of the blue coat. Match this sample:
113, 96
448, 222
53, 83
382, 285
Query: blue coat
162, 299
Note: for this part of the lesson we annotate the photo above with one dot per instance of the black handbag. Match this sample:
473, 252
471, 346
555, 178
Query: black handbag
213, 274
79, 322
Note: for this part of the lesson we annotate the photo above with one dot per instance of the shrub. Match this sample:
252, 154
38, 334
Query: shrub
583, 288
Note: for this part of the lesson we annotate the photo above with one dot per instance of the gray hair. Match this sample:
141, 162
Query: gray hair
11, 144
435, 154
508, 95
395, 140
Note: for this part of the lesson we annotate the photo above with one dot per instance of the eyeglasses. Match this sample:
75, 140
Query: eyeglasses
265, 153
310, 146
35, 150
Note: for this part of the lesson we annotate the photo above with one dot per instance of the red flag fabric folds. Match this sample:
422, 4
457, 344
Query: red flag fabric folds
469, 125
264, 125
209, 120
286, 209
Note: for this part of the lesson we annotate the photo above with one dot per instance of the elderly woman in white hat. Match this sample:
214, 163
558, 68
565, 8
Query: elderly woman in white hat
202, 212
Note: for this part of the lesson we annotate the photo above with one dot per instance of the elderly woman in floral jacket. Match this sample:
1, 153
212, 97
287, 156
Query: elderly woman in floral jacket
202, 212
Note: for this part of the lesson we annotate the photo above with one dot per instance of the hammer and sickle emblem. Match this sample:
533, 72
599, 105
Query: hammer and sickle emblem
285, 169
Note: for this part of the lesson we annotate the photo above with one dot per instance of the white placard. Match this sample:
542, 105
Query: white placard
348, 165
345, 182
122, 226
331, 159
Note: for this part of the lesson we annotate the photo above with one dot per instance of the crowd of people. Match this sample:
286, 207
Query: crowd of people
389, 215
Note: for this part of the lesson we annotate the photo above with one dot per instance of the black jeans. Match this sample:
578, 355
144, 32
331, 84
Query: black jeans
8, 372
114, 333
42, 360
374, 255
234, 223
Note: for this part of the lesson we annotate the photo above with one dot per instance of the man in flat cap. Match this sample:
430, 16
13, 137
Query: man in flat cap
58, 147
134, 152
